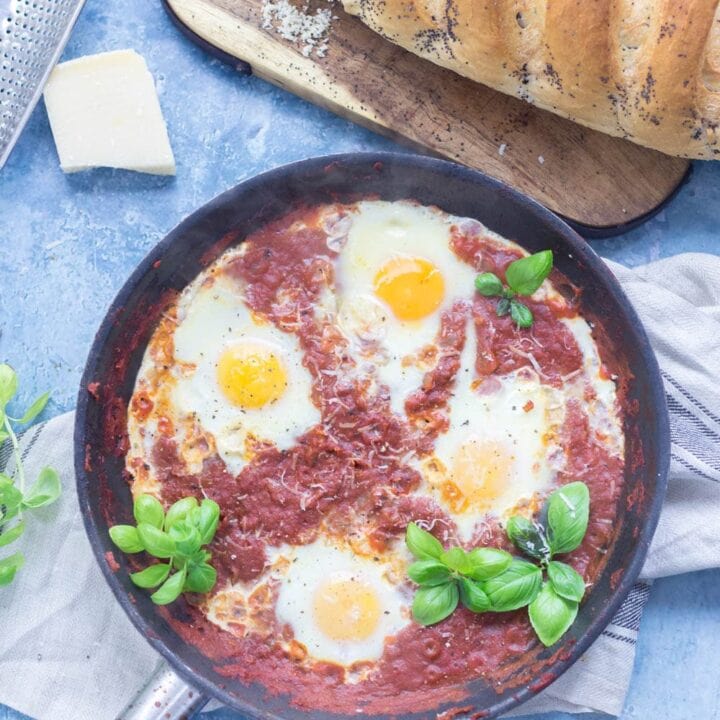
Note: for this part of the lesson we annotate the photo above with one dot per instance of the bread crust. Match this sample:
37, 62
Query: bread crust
645, 70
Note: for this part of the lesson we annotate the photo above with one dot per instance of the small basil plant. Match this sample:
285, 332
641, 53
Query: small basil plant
15, 498
524, 277
179, 538
487, 579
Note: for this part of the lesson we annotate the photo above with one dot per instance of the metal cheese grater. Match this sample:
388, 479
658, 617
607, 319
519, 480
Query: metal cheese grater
33, 34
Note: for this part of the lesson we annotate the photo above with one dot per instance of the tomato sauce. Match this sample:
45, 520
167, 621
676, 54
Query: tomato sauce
354, 462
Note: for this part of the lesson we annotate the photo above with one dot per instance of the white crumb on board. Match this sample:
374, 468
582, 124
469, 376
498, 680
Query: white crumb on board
297, 24
502, 149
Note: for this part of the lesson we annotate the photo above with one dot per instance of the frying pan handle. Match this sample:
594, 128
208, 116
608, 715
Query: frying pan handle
165, 696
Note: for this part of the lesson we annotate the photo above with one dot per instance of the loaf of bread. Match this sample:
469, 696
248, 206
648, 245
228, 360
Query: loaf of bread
646, 70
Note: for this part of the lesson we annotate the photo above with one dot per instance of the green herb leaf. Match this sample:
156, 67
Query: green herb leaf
566, 581
422, 544
488, 284
551, 615
9, 567
433, 604
10, 498
514, 588
149, 509
486, 562
44, 491
170, 589
521, 314
200, 578
528, 537
503, 307
456, 559
568, 510
8, 384
472, 596
428, 572
178, 511
151, 576
126, 538
527, 274
186, 537
11, 534
155, 541
35, 409
206, 520
3, 435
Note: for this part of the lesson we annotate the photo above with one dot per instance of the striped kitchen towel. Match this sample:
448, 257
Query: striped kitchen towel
68, 651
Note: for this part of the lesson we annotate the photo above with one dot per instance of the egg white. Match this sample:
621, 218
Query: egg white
211, 318
379, 232
313, 565
507, 431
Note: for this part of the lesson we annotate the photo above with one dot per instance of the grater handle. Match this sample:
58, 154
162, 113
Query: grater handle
165, 696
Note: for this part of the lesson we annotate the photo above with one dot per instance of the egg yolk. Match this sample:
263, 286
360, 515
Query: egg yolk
346, 610
412, 287
251, 375
479, 476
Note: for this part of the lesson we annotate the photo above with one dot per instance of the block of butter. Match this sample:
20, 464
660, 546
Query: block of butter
104, 112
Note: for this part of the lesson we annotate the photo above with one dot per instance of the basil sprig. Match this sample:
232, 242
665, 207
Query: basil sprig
524, 277
487, 579
178, 537
14, 498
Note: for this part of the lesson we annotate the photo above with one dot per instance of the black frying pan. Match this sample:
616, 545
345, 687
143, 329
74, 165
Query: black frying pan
120, 342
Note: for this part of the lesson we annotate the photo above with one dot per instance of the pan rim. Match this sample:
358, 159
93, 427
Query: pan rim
582, 253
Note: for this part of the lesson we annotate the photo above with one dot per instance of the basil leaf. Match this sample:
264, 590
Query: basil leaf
170, 589
551, 615
472, 596
456, 559
528, 537
488, 284
521, 314
155, 541
35, 409
201, 578
428, 572
151, 576
8, 384
433, 604
526, 275
126, 538
44, 491
486, 563
10, 498
568, 509
149, 509
422, 544
9, 567
503, 307
11, 534
514, 588
186, 537
178, 511
566, 581
206, 520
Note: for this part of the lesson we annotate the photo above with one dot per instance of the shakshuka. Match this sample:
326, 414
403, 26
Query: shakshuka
334, 377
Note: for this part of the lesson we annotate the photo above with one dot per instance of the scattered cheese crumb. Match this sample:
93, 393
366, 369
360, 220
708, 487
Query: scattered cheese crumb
297, 24
502, 149
541, 160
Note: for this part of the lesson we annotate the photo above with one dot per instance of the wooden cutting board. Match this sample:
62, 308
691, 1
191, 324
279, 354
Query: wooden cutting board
600, 183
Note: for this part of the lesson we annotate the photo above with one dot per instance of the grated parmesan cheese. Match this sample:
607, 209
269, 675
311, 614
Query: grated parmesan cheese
298, 25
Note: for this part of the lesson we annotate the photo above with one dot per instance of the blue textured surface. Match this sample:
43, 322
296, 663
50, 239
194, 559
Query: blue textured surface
69, 242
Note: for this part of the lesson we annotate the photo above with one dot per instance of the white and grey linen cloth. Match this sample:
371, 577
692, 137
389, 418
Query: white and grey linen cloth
67, 651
